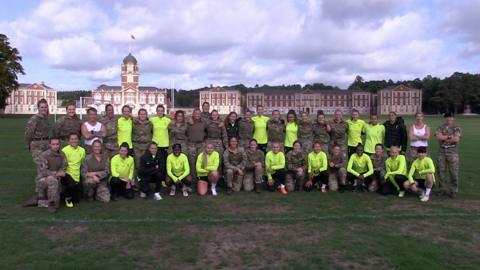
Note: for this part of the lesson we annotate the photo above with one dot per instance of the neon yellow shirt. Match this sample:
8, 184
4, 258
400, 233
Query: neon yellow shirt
122, 167
124, 131
75, 157
360, 165
354, 131
291, 134
317, 162
177, 167
260, 131
213, 161
274, 161
374, 134
397, 166
160, 130
421, 167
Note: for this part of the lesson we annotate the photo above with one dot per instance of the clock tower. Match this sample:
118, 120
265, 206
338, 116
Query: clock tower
130, 75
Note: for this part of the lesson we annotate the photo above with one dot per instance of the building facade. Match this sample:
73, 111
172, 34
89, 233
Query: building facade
129, 92
24, 99
401, 99
222, 99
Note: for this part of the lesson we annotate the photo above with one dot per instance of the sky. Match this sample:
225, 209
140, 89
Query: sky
78, 45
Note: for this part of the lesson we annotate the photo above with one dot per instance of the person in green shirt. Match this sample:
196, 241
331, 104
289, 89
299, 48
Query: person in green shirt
122, 168
317, 168
291, 131
421, 176
125, 127
275, 169
374, 134
178, 171
160, 123
207, 166
355, 127
74, 155
359, 170
260, 129
396, 173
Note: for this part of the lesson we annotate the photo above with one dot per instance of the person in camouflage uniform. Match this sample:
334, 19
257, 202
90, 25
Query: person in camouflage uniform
216, 133
337, 172
254, 168
51, 167
234, 160
178, 131
95, 172
197, 132
305, 132
276, 130
36, 131
378, 162
448, 160
338, 131
296, 166
321, 130
245, 130
141, 135
110, 140
67, 124
206, 111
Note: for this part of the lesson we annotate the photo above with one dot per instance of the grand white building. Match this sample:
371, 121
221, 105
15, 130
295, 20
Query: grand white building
222, 99
129, 92
24, 99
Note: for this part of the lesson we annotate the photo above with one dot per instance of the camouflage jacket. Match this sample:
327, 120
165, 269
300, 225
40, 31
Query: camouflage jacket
276, 130
178, 134
50, 162
37, 128
245, 129
378, 162
449, 131
296, 160
215, 132
338, 130
142, 132
91, 164
197, 131
253, 157
320, 133
234, 159
110, 140
66, 125
339, 161
305, 130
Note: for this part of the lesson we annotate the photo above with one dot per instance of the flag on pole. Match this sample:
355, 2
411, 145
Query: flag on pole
132, 36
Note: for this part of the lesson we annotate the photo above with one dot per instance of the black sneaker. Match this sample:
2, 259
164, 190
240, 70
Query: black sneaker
258, 188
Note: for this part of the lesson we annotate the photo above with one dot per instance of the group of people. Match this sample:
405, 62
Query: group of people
123, 155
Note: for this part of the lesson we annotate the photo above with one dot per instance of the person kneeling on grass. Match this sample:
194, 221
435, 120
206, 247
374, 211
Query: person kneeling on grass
296, 165
234, 160
396, 175
122, 167
151, 170
254, 168
421, 176
207, 166
337, 172
178, 171
378, 162
75, 155
275, 169
360, 170
317, 168
95, 173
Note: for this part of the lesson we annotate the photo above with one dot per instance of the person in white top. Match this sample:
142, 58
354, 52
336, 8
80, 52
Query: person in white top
92, 129
419, 134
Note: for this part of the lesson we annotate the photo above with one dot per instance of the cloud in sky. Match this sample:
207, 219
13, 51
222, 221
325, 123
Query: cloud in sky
198, 43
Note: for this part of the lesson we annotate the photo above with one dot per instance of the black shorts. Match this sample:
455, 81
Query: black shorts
421, 183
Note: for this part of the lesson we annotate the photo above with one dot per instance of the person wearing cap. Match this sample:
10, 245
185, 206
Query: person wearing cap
448, 160
178, 171
421, 176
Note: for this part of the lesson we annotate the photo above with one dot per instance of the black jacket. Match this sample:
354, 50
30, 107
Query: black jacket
148, 164
396, 134
232, 131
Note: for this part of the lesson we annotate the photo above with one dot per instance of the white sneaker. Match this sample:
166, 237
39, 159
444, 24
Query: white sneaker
189, 189
424, 198
185, 193
214, 191
143, 195
157, 196
172, 191
401, 194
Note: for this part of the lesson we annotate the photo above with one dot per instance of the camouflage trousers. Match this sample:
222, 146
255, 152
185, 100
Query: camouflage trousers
448, 163
252, 177
244, 143
337, 177
233, 179
270, 144
110, 148
411, 154
48, 190
138, 151
193, 150
37, 148
292, 180
307, 145
97, 190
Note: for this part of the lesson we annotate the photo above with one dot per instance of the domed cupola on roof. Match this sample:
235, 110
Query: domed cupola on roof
129, 59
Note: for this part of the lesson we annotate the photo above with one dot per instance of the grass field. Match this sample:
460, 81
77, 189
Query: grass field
242, 231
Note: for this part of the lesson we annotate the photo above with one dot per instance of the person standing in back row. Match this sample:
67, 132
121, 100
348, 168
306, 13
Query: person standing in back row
245, 130
92, 130
260, 129
36, 131
160, 136
395, 132
141, 137
374, 134
355, 127
338, 130
125, 127
110, 122
419, 134
321, 130
305, 132
291, 131
70, 123
275, 130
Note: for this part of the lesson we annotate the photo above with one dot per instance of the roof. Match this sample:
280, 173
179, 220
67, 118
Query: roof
41, 85
304, 91
119, 88
220, 89
130, 59
400, 87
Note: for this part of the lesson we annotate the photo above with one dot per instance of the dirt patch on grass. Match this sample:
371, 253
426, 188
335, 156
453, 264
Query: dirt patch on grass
339, 260
235, 208
63, 232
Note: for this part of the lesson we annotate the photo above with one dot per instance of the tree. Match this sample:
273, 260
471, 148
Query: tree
9, 68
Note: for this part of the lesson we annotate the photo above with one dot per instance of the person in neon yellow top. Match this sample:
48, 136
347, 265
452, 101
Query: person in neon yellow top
374, 134
275, 169
178, 171
317, 168
122, 168
207, 166
291, 131
396, 173
360, 170
74, 155
160, 135
421, 176
125, 127
354, 131
260, 129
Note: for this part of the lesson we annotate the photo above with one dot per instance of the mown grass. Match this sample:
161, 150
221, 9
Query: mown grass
242, 231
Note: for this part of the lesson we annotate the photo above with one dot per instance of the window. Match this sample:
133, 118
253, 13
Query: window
107, 97
160, 99
143, 98
117, 98
151, 99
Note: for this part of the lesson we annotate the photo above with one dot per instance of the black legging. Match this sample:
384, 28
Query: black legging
263, 147
389, 188
279, 178
72, 188
321, 178
156, 177
366, 181
119, 187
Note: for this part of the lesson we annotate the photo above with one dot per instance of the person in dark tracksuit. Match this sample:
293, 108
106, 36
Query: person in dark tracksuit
395, 132
152, 170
